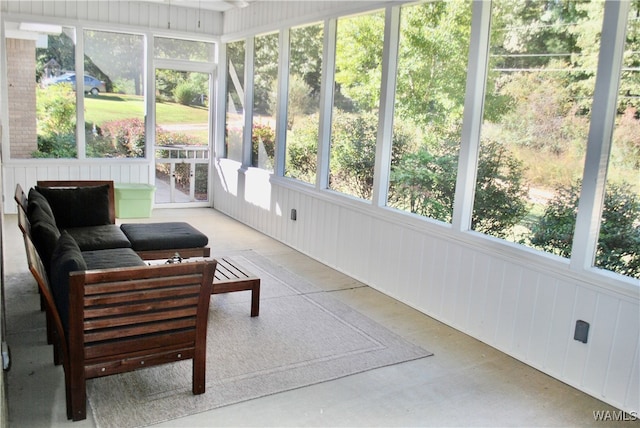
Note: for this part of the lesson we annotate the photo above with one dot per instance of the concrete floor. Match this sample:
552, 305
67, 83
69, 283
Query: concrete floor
466, 383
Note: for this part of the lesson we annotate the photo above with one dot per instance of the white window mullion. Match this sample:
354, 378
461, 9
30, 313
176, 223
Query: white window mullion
220, 102
326, 103
473, 113
150, 97
603, 116
81, 140
281, 103
249, 69
384, 142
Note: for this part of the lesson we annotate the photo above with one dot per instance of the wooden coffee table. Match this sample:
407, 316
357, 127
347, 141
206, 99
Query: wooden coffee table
231, 277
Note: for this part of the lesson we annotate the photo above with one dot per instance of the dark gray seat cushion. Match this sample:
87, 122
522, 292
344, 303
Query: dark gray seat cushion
112, 258
102, 237
163, 236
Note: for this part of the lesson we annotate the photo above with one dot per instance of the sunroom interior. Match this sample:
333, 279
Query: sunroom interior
473, 163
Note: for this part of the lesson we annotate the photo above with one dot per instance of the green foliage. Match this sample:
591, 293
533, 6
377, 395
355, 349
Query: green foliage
185, 93
56, 121
554, 231
626, 141
501, 194
127, 136
301, 102
56, 146
305, 55
302, 149
543, 116
353, 152
619, 240
424, 183
359, 61
432, 63
56, 110
266, 72
263, 146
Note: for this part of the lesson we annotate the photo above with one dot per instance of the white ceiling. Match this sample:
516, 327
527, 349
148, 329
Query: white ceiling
216, 5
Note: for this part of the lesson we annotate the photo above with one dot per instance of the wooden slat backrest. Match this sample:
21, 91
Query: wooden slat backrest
86, 183
23, 222
21, 198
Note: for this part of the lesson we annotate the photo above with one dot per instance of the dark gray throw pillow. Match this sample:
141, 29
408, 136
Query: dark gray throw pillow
78, 206
45, 238
66, 258
38, 208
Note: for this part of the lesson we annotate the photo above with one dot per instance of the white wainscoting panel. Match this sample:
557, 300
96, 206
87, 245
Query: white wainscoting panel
27, 174
519, 306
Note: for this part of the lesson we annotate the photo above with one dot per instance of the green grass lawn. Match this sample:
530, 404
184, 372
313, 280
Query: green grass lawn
109, 107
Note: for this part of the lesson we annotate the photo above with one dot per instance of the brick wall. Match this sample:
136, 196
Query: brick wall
21, 94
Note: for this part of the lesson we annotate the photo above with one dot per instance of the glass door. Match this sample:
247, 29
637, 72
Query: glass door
182, 136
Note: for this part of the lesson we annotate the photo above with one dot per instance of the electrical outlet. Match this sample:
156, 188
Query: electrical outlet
294, 214
582, 331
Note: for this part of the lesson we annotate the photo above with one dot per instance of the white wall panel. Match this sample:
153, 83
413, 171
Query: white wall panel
132, 13
522, 308
271, 15
27, 174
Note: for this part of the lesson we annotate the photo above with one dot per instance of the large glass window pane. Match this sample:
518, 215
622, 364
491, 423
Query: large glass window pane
619, 240
305, 75
186, 50
542, 67
234, 122
356, 101
429, 103
265, 85
40, 92
114, 111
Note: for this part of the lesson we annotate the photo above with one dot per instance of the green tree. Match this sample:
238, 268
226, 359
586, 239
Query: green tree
500, 197
433, 72
302, 149
305, 55
359, 61
619, 241
266, 71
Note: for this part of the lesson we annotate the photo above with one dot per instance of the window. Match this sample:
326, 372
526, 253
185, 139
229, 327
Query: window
263, 133
115, 110
305, 75
234, 122
536, 120
354, 127
41, 97
185, 50
429, 103
619, 239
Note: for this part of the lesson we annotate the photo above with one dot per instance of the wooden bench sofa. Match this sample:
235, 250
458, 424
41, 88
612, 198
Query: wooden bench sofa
107, 310
124, 319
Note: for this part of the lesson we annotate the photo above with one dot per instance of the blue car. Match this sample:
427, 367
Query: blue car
91, 84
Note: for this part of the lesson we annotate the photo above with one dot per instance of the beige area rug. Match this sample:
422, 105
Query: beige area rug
303, 336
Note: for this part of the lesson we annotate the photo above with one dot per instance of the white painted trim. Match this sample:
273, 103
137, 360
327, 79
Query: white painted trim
384, 140
472, 116
605, 102
326, 103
